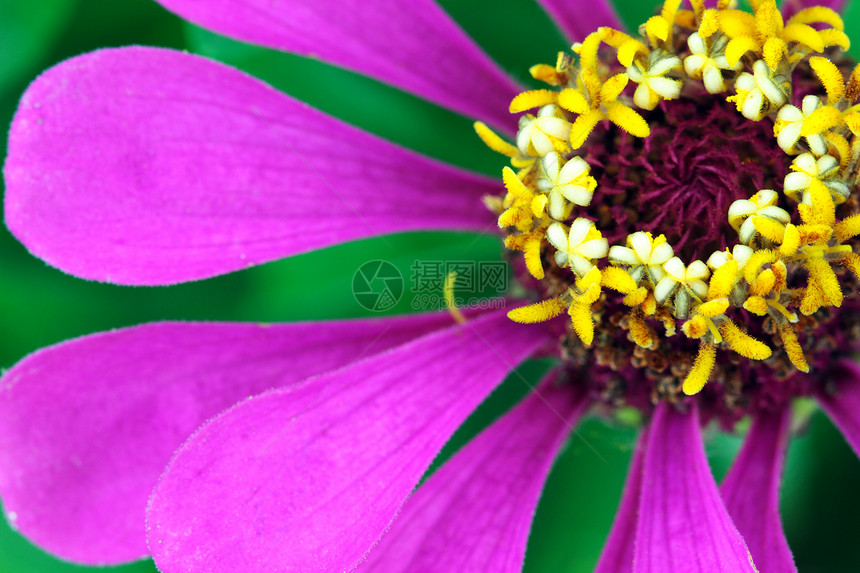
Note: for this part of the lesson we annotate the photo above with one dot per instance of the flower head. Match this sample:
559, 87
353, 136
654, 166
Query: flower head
681, 261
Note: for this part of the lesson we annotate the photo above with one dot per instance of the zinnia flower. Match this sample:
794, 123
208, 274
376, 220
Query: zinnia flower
646, 204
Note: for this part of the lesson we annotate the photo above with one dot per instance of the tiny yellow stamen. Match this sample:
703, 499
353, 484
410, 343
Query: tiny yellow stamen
768, 228
736, 48
668, 321
723, 280
818, 14
448, 292
804, 35
514, 185
649, 306
790, 316
538, 205
763, 283
792, 347
698, 7
833, 37
657, 28
516, 242
819, 234
531, 254
756, 305
823, 209
852, 90
538, 312
851, 261
640, 332
686, 19
582, 321
736, 23
493, 141
701, 370
743, 343
767, 18
852, 122
587, 51
636, 298
627, 46
780, 273
546, 73
573, 100
670, 8
582, 127
710, 24
822, 277
613, 87
847, 228
627, 119
829, 76
790, 241
618, 279
589, 286
532, 99
713, 308
774, 50
813, 299
696, 327
756, 261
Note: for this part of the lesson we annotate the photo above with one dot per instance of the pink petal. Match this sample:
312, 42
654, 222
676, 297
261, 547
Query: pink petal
578, 19
149, 166
841, 401
683, 525
475, 513
308, 478
87, 426
617, 556
414, 45
792, 7
751, 492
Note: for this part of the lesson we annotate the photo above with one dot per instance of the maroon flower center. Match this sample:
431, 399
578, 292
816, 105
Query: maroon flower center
701, 156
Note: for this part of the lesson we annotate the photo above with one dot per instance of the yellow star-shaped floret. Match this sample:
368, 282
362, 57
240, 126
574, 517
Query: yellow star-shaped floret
579, 246
565, 182
643, 253
595, 100
808, 172
650, 74
758, 215
811, 122
544, 133
684, 283
519, 203
739, 253
676, 274
708, 61
761, 92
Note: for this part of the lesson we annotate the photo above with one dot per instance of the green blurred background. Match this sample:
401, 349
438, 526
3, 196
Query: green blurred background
41, 306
